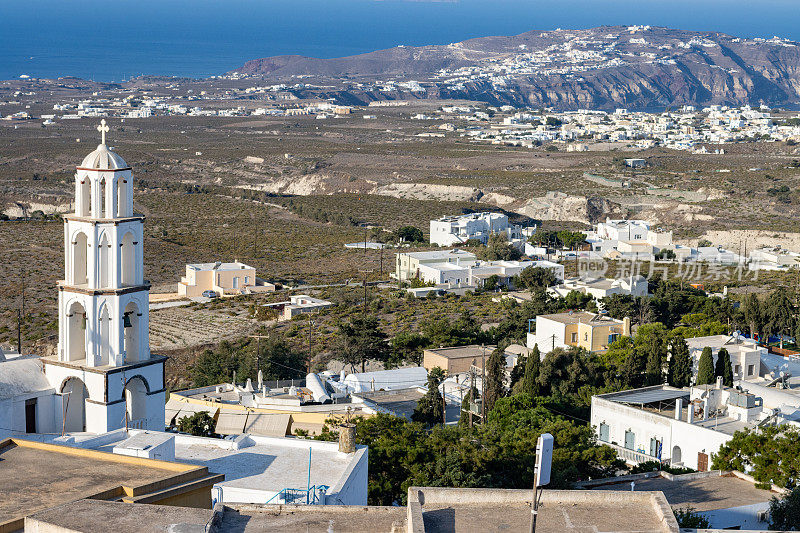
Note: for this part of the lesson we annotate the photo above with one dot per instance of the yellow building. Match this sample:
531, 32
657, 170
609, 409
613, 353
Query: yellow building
222, 278
593, 332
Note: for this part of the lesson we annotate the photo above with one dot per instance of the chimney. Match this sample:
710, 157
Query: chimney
705, 409
690, 413
347, 438
719, 382
678, 408
626, 326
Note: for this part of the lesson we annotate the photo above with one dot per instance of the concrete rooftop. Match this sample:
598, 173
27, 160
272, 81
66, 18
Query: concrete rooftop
706, 493
36, 476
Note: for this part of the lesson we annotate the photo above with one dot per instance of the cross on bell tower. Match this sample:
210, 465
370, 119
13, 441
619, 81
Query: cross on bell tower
103, 129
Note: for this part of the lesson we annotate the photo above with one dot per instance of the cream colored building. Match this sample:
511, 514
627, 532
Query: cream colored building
593, 332
407, 265
223, 278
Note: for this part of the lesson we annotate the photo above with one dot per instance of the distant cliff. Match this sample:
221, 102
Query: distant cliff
605, 67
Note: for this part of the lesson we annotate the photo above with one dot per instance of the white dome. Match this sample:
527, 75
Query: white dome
103, 159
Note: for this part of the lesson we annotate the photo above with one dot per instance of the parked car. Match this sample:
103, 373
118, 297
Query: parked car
210, 294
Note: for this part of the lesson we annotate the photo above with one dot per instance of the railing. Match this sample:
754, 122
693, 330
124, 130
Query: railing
139, 423
633, 456
310, 496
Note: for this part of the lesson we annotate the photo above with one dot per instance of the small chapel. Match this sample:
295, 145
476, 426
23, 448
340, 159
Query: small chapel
103, 376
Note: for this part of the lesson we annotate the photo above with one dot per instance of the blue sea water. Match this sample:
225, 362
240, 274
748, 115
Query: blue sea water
111, 40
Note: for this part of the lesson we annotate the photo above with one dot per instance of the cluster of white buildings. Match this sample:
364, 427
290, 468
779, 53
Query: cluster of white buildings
458, 268
458, 229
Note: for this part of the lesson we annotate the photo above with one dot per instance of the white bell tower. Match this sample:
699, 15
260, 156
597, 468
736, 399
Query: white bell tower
103, 356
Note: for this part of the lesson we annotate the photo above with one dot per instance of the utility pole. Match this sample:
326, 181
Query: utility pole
258, 349
19, 331
471, 387
365, 272
483, 385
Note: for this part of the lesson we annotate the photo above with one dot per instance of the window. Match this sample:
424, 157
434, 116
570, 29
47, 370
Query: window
246, 280
604, 430
585, 336
574, 337
750, 370
737, 369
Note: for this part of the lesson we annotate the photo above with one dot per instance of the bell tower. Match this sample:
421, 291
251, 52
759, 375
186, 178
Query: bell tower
103, 304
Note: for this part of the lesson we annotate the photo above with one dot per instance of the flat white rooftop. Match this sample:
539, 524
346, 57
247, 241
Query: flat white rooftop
260, 464
218, 266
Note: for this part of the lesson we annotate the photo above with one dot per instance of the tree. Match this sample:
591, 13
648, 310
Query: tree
688, 518
361, 340
430, 408
784, 513
532, 365
536, 277
778, 311
770, 454
410, 234
494, 388
753, 314
199, 424
723, 367
680, 363
705, 367
569, 239
498, 248
278, 360
408, 346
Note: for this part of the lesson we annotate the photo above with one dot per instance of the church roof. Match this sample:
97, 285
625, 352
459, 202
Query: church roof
103, 159
21, 375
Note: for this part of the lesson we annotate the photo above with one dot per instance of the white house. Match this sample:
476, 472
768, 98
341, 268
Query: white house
475, 274
682, 427
600, 288
745, 354
408, 265
454, 230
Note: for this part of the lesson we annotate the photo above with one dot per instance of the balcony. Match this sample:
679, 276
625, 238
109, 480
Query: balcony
633, 456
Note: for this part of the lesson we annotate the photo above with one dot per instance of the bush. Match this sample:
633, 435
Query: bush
688, 518
199, 424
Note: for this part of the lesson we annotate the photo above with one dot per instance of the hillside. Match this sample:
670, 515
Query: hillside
637, 67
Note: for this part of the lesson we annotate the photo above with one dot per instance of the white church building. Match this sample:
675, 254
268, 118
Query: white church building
103, 376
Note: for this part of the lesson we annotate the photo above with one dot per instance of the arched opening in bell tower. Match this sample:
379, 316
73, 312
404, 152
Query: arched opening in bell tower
123, 199
80, 255
104, 257
136, 402
104, 341
74, 410
83, 199
131, 326
76, 332
102, 192
128, 260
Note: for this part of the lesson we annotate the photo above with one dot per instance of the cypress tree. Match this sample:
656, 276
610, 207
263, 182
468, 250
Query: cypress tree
705, 367
530, 379
430, 408
724, 367
495, 375
680, 363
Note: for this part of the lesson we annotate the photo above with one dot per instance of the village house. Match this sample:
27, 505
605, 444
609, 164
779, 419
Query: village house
591, 331
223, 279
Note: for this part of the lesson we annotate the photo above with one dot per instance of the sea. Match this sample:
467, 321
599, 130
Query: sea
113, 40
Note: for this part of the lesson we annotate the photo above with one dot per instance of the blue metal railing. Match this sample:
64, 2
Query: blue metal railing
309, 496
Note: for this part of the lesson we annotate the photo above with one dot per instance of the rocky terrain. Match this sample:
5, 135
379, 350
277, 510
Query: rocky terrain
638, 67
